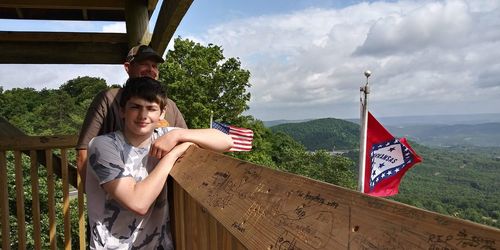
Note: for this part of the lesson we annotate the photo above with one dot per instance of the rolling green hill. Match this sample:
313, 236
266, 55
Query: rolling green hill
328, 133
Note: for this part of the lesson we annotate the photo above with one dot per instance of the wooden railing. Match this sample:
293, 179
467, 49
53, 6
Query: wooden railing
224, 203
218, 202
41, 151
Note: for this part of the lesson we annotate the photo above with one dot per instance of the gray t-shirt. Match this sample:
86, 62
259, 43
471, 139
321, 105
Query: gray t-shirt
113, 226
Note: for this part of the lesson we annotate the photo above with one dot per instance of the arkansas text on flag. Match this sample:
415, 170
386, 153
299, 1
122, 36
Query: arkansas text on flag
242, 137
387, 160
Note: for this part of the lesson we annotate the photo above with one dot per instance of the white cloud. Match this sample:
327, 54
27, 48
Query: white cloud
427, 57
422, 53
117, 27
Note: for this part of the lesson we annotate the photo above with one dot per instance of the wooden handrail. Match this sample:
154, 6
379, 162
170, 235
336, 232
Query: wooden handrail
262, 208
24, 142
12, 138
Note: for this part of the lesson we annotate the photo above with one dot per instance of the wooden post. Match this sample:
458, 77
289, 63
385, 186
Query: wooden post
137, 21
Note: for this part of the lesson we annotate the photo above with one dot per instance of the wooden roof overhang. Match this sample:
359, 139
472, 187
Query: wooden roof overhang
75, 47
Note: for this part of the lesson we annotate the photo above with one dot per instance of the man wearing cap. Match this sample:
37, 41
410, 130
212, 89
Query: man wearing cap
103, 114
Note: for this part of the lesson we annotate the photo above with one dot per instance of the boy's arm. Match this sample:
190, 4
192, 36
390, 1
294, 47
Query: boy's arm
138, 196
212, 139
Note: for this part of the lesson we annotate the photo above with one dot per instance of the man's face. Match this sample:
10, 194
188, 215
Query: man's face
145, 67
141, 117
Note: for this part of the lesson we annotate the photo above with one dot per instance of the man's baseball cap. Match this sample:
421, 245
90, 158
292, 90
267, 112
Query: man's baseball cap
143, 52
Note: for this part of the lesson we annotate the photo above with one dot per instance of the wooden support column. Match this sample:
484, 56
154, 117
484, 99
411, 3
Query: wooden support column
137, 20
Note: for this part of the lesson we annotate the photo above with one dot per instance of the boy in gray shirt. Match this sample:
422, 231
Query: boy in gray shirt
126, 191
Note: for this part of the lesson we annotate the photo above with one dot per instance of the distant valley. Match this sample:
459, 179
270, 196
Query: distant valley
461, 159
481, 130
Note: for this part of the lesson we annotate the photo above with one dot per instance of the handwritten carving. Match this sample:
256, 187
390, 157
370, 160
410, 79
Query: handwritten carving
316, 198
459, 241
286, 242
309, 222
238, 226
465, 240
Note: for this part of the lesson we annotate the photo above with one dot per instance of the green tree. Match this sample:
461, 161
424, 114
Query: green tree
84, 88
200, 80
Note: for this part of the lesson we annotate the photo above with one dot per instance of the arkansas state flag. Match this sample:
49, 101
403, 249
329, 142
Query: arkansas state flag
387, 160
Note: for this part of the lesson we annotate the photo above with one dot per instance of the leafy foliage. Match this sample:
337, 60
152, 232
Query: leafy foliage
50, 111
463, 183
201, 81
327, 134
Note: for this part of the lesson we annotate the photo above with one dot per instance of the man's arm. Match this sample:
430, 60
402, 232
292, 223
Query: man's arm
94, 119
212, 139
138, 196
174, 115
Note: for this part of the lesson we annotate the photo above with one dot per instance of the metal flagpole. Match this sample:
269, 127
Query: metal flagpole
364, 125
211, 118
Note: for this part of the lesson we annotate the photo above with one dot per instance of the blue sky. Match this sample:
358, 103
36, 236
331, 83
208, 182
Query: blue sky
307, 58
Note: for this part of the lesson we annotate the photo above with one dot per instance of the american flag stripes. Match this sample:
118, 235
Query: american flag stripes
242, 137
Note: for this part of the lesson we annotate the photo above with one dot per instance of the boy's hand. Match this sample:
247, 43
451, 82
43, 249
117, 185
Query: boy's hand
180, 149
164, 144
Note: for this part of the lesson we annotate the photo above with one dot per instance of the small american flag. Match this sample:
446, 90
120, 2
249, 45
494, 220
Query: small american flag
242, 137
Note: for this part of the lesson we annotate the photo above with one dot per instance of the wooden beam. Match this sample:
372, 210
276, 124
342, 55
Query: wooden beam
19, 13
21, 36
169, 18
64, 4
37, 142
152, 6
62, 53
137, 21
62, 48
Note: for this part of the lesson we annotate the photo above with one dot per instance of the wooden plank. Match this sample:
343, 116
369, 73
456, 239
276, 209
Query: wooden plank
65, 190
81, 212
37, 142
178, 212
74, 52
213, 235
35, 204
7, 129
398, 226
4, 202
51, 199
31, 36
269, 209
202, 218
169, 18
21, 223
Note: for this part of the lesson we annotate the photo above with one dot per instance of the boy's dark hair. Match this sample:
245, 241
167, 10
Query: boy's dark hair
145, 88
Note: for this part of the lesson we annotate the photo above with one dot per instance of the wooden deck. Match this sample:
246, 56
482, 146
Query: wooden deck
219, 202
